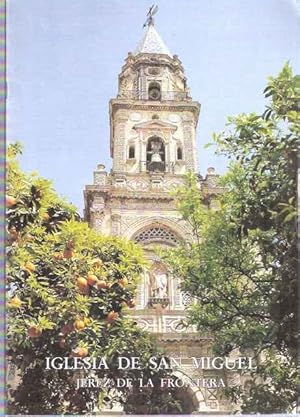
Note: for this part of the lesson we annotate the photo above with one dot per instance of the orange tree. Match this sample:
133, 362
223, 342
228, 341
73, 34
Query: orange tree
242, 268
67, 291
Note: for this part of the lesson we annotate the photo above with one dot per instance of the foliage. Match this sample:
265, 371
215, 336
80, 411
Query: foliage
242, 265
69, 290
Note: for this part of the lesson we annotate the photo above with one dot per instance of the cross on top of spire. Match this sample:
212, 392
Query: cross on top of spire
152, 11
152, 42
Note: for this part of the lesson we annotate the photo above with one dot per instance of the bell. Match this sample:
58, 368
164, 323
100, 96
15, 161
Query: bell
155, 157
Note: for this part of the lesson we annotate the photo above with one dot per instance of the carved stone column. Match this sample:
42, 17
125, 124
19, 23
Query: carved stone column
97, 213
119, 162
188, 143
115, 224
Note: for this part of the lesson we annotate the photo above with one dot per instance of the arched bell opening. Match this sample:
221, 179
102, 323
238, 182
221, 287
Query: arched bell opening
179, 153
154, 91
131, 152
156, 154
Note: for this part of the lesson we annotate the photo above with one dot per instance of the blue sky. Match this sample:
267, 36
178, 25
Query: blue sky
64, 58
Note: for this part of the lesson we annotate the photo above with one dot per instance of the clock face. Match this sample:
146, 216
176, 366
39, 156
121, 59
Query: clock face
154, 93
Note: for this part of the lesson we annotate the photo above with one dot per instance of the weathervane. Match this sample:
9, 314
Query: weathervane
152, 11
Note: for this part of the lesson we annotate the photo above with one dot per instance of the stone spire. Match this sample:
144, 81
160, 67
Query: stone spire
152, 43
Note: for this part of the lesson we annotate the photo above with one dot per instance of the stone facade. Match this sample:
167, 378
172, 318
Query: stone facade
153, 123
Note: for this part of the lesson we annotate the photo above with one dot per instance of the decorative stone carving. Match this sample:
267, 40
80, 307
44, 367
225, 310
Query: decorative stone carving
146, 324
132, 204
174, 118
188, 137
156, 183
157, 234
120, 183
100, 175
135, 117
99, 178
154, 70
137, 184
211, 177
115, 224
177, 326
98, 204
97, 220
173, 183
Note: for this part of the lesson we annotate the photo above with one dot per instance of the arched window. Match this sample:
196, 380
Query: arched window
157, 234
155, 154
154, 91
131, 152
179, 153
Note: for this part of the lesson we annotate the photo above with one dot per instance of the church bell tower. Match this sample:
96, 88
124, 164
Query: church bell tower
153, 122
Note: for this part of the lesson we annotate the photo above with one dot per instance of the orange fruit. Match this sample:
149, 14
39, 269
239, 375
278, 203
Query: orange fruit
10, 201
81, 282
15, 302
79, 324
82, 285
101, 284
92, 279
34, 331
29, 266
58, 255
46, 217
123, 282
112, 316
68, 253
83, 352
80, 352
131, 304
13, 233
86, 321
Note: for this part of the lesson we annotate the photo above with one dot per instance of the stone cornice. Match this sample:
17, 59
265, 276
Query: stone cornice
170, 105
128, 194
136, 61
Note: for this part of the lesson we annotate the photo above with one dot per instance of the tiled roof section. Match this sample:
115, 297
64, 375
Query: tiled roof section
152, 43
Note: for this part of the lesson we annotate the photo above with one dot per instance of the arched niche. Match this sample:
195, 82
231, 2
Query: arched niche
179, 153
131, 151
155, 154
191, 397
158, 287
179, 230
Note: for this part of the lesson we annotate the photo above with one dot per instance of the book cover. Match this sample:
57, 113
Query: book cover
151, 207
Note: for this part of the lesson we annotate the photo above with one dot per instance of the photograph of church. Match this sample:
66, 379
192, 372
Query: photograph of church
151, 207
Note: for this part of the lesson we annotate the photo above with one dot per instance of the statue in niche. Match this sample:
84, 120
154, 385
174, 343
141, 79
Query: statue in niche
158, 282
